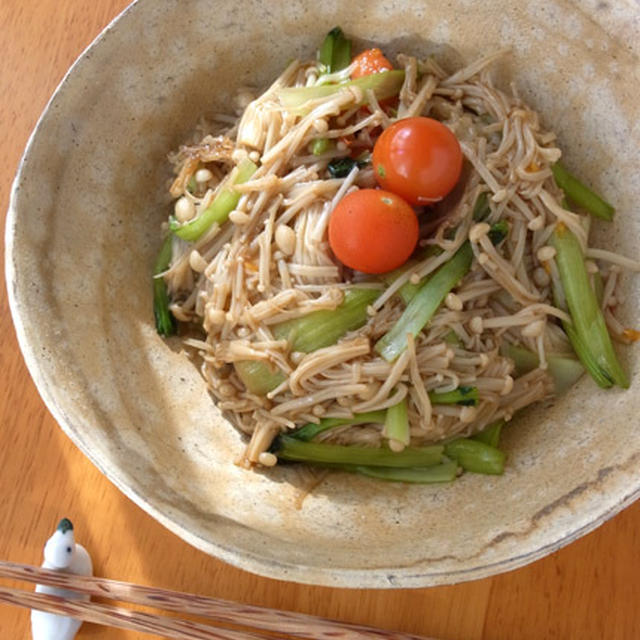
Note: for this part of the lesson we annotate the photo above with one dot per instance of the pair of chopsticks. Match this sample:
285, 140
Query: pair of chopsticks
250, 622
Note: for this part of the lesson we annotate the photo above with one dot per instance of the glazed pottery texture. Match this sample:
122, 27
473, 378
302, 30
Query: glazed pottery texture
84, 227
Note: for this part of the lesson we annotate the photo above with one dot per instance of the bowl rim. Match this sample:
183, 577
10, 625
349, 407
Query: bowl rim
305, 574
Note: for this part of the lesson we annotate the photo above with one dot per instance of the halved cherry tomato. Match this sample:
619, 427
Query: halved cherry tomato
373, 231
417, 158
368, 62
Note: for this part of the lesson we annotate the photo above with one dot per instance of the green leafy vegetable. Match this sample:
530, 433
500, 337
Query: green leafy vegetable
320, 145
446, 471
292, 449
218, 211
476, 456
310, 430
385, 85
587, 357
396, 424
341, 167
425, 303
466, 396
481, 208
580, 194
453, 339
565, 370
408, 290
259, 377
598, 287
587, 331
165, 322
316, 330
323, 328
498, 232
523, 359
335, 51
490, 434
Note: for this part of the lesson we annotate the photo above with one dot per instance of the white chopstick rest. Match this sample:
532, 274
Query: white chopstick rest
61, 553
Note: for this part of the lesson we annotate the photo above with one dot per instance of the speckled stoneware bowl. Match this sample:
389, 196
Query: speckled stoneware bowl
83, 229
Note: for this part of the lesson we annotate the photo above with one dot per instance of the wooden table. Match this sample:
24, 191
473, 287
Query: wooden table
589, 590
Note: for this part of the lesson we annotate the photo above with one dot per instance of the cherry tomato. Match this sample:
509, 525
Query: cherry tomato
417, 158
373, 231
368, 62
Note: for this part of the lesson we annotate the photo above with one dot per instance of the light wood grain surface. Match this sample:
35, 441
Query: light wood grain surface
590, 589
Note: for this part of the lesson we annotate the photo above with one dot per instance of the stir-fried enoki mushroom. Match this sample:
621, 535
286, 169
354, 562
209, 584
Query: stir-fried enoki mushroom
254, 280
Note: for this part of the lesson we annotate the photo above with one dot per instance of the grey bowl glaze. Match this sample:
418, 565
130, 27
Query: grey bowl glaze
83, 228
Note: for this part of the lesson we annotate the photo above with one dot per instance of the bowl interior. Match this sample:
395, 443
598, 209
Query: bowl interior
84, 228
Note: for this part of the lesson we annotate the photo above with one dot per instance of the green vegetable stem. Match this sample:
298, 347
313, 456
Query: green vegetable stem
292, 449
476, 456
218, 211
384, 85
466, 396
320, 145
445, 471
425, 303
165, 322
396, 424
587, 331
335, 51
481, 209
310, 430
565, 370
580, 194
313, 331
490, 434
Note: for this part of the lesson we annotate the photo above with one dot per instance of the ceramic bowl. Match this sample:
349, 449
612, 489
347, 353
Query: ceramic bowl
83, 229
